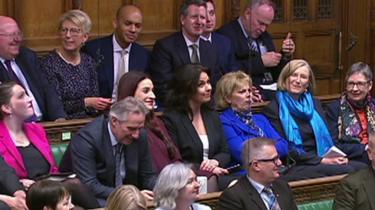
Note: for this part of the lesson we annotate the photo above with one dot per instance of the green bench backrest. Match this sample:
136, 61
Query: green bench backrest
58, 151
318, 205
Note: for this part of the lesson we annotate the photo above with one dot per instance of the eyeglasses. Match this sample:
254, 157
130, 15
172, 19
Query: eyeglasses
18, 35
275, 160
361, 85
72, 31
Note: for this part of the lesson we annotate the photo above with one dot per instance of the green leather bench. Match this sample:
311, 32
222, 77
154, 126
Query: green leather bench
58, 151
317, 205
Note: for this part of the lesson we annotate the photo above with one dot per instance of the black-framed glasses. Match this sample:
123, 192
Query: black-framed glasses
275, 160
361, 85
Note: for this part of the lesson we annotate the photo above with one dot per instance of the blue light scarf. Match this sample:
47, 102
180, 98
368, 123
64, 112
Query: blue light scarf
303, 108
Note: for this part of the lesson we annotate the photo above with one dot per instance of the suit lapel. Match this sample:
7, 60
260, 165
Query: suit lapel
194, 137
251, 191
3, 73
107, 153
182, 49
9, 145
210, 132
108, 60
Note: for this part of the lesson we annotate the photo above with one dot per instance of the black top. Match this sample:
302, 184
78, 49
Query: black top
36, 165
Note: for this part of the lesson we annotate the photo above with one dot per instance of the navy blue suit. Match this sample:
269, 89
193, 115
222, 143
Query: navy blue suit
172, 52
45, 95
251, 61
102, 51
225, 50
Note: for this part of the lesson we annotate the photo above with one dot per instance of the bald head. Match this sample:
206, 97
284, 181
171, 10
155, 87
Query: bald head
127, 24
127, 9
10, 38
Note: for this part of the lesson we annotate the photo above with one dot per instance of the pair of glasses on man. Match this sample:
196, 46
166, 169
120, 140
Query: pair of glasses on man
361, 85
18, 35
72, 31
274, 160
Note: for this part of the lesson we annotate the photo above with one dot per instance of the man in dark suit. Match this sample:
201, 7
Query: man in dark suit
21, 65
110, 152
118, 53
260, 189
357, 190
253, 45
183, 47
11, 190
222, 44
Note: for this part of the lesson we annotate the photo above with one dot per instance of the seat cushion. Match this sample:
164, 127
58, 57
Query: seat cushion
58, 151
317, 205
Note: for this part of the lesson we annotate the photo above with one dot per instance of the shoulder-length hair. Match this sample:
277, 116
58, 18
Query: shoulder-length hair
184, 86
289, 69
227, 85
171, 180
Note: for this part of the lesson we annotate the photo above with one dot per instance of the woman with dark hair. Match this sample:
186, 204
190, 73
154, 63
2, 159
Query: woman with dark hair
300, 119
140, 86
48, 195
25, 147
353, 115
196, 128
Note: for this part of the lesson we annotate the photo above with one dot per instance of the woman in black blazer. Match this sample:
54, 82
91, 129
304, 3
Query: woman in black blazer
196, 128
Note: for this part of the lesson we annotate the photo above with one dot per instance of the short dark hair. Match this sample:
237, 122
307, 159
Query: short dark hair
184, 86
45, 193
6, 94
257, 3
185, 5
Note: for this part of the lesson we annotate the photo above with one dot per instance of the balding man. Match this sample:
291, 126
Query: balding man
253, 45
356, 191
20, 64
118, 53
260, 189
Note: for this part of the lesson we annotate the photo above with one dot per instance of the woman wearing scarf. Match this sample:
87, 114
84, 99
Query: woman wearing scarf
354, 113
299, 118
233, 98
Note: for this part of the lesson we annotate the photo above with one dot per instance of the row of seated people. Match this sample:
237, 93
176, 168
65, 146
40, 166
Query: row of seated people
80, 77
190, 131
177, 187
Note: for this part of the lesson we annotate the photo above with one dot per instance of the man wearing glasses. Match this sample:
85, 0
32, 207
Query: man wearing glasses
353, 114
20, 64
260, 189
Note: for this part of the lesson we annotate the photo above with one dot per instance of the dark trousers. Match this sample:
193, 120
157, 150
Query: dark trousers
300, 172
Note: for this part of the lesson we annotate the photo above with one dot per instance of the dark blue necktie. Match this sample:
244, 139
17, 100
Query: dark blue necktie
12, 76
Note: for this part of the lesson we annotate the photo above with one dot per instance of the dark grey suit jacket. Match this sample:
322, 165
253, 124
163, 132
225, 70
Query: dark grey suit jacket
94, 163
244, 196
356, 191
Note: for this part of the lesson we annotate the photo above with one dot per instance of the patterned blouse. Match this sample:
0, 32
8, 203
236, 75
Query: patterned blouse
72, 82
